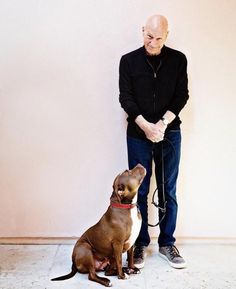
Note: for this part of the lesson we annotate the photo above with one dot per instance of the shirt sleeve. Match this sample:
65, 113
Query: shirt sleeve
181, 91
126, 96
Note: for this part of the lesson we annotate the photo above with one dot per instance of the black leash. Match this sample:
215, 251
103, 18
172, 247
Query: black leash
163, 210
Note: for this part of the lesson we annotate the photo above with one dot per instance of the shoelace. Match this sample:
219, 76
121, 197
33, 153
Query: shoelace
173, 251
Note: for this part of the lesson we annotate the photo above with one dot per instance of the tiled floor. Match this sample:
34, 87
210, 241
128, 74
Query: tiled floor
32, 266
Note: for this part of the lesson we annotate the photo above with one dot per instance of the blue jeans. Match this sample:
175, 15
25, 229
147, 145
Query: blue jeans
143, 152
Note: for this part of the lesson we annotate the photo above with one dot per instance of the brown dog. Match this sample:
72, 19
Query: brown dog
101, 246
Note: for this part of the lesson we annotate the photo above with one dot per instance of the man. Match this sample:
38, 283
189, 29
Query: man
153, 90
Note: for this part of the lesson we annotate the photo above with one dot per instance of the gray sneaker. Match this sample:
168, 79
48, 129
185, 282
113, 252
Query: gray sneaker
172, 256
139, 256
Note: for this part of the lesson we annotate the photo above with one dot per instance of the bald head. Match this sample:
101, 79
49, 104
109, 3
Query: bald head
157, 22
155, 33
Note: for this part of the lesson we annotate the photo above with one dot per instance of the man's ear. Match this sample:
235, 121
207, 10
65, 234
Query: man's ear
167, 33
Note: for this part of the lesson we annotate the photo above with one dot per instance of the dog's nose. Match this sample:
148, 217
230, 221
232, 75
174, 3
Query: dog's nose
141, 169
139, 166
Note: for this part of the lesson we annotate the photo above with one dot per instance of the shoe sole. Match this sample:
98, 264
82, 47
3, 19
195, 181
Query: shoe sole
174, 265
139, 266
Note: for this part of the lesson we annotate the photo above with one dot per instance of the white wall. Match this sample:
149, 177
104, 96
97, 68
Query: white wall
62, 131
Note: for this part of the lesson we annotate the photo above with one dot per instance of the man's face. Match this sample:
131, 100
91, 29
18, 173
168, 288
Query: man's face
154, 40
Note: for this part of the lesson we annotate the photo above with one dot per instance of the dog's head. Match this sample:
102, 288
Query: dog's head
126, 184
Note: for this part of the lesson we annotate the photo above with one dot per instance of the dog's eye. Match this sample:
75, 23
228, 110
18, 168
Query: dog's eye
130, 188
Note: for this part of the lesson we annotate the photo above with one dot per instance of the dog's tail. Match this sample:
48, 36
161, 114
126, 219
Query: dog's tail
68, 276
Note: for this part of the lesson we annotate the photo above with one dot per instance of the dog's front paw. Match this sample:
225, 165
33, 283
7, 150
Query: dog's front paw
130, 271
136, 270
123, 276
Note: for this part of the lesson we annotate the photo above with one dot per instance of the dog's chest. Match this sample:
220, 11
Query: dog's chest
135, 227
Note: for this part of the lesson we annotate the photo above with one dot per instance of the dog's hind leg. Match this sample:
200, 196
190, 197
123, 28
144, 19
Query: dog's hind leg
102, 280
90, 266
84, 261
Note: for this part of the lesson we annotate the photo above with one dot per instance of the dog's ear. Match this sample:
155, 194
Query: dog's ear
115, 183
120, 189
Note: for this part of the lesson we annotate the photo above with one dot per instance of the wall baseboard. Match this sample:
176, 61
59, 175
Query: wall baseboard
38, 240
72, 240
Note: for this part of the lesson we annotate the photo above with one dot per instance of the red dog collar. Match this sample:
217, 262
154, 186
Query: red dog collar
123, 206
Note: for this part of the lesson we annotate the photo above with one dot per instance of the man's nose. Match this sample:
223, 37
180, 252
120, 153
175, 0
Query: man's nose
154, 43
